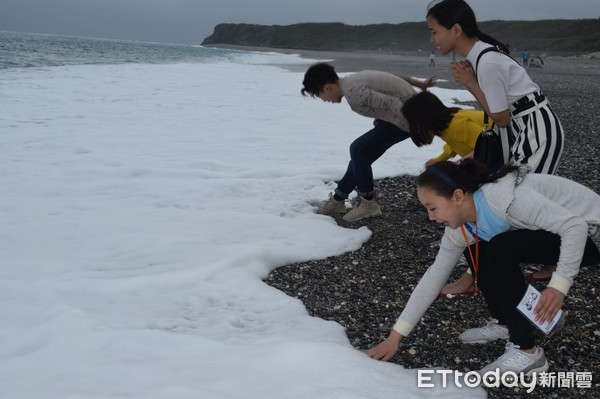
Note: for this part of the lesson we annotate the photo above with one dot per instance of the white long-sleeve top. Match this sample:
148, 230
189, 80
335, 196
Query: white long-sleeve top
540, 202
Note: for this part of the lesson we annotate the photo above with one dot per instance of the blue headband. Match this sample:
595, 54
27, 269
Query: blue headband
447, 179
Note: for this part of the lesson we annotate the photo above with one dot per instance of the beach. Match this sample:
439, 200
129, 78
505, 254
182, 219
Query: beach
149, 191
365, 290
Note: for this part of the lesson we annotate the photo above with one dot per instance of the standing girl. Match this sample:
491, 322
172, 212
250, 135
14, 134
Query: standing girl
542, 219
522, 116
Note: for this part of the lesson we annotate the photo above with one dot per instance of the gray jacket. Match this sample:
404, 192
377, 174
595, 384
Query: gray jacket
378, 95
544, 202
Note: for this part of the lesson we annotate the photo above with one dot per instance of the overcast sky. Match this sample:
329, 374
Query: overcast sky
190, 21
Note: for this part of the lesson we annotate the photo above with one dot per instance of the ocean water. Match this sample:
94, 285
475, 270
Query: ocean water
30, 50
147, 190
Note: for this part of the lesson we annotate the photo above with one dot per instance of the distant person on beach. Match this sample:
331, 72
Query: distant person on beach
428, 117
536, 62
525, 56
373, 94
531, 132
432, 60
503, 221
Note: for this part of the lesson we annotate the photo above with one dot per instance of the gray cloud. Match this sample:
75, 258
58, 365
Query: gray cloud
190, 21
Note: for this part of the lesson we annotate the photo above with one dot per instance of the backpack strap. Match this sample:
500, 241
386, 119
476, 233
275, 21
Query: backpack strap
505, 143
487, 50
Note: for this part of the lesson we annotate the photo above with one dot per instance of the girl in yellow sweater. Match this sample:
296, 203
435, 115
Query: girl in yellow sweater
428, 117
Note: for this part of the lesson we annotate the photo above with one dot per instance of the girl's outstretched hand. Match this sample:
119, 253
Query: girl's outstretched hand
422, 84
387, 349
429, 82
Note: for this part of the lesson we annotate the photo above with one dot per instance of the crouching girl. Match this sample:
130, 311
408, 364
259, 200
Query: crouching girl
499, 221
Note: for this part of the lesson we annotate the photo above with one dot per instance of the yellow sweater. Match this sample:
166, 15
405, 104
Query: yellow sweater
461, 134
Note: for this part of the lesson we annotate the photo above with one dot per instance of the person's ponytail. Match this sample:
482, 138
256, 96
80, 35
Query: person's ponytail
477, 172
488, 39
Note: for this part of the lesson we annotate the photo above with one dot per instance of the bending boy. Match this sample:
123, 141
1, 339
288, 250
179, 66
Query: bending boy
374, 94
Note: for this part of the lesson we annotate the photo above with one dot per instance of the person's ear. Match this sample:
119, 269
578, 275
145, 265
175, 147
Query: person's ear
456, 29
458, 196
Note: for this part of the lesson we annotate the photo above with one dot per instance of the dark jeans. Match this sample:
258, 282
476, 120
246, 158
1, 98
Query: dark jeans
500, 277
363, 152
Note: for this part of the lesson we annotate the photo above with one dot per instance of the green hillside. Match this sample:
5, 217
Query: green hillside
551, 36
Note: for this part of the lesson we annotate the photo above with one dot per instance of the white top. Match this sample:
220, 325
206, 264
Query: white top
540, 202
502, 80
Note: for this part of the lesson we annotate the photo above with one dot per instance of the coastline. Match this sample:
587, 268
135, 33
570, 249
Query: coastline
365, 290
347, 61
415, 63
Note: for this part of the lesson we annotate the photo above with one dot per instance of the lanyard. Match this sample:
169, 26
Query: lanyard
474, 260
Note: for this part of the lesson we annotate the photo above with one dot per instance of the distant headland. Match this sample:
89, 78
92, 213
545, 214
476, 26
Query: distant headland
557, 37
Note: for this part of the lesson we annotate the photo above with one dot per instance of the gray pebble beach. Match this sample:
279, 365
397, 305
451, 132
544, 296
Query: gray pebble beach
365, 290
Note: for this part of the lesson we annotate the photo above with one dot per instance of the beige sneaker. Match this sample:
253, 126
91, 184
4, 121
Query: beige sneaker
363, 209
331, 206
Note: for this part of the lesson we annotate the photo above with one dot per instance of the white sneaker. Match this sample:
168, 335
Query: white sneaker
488, 333
332, 207
364, 209
517, 361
